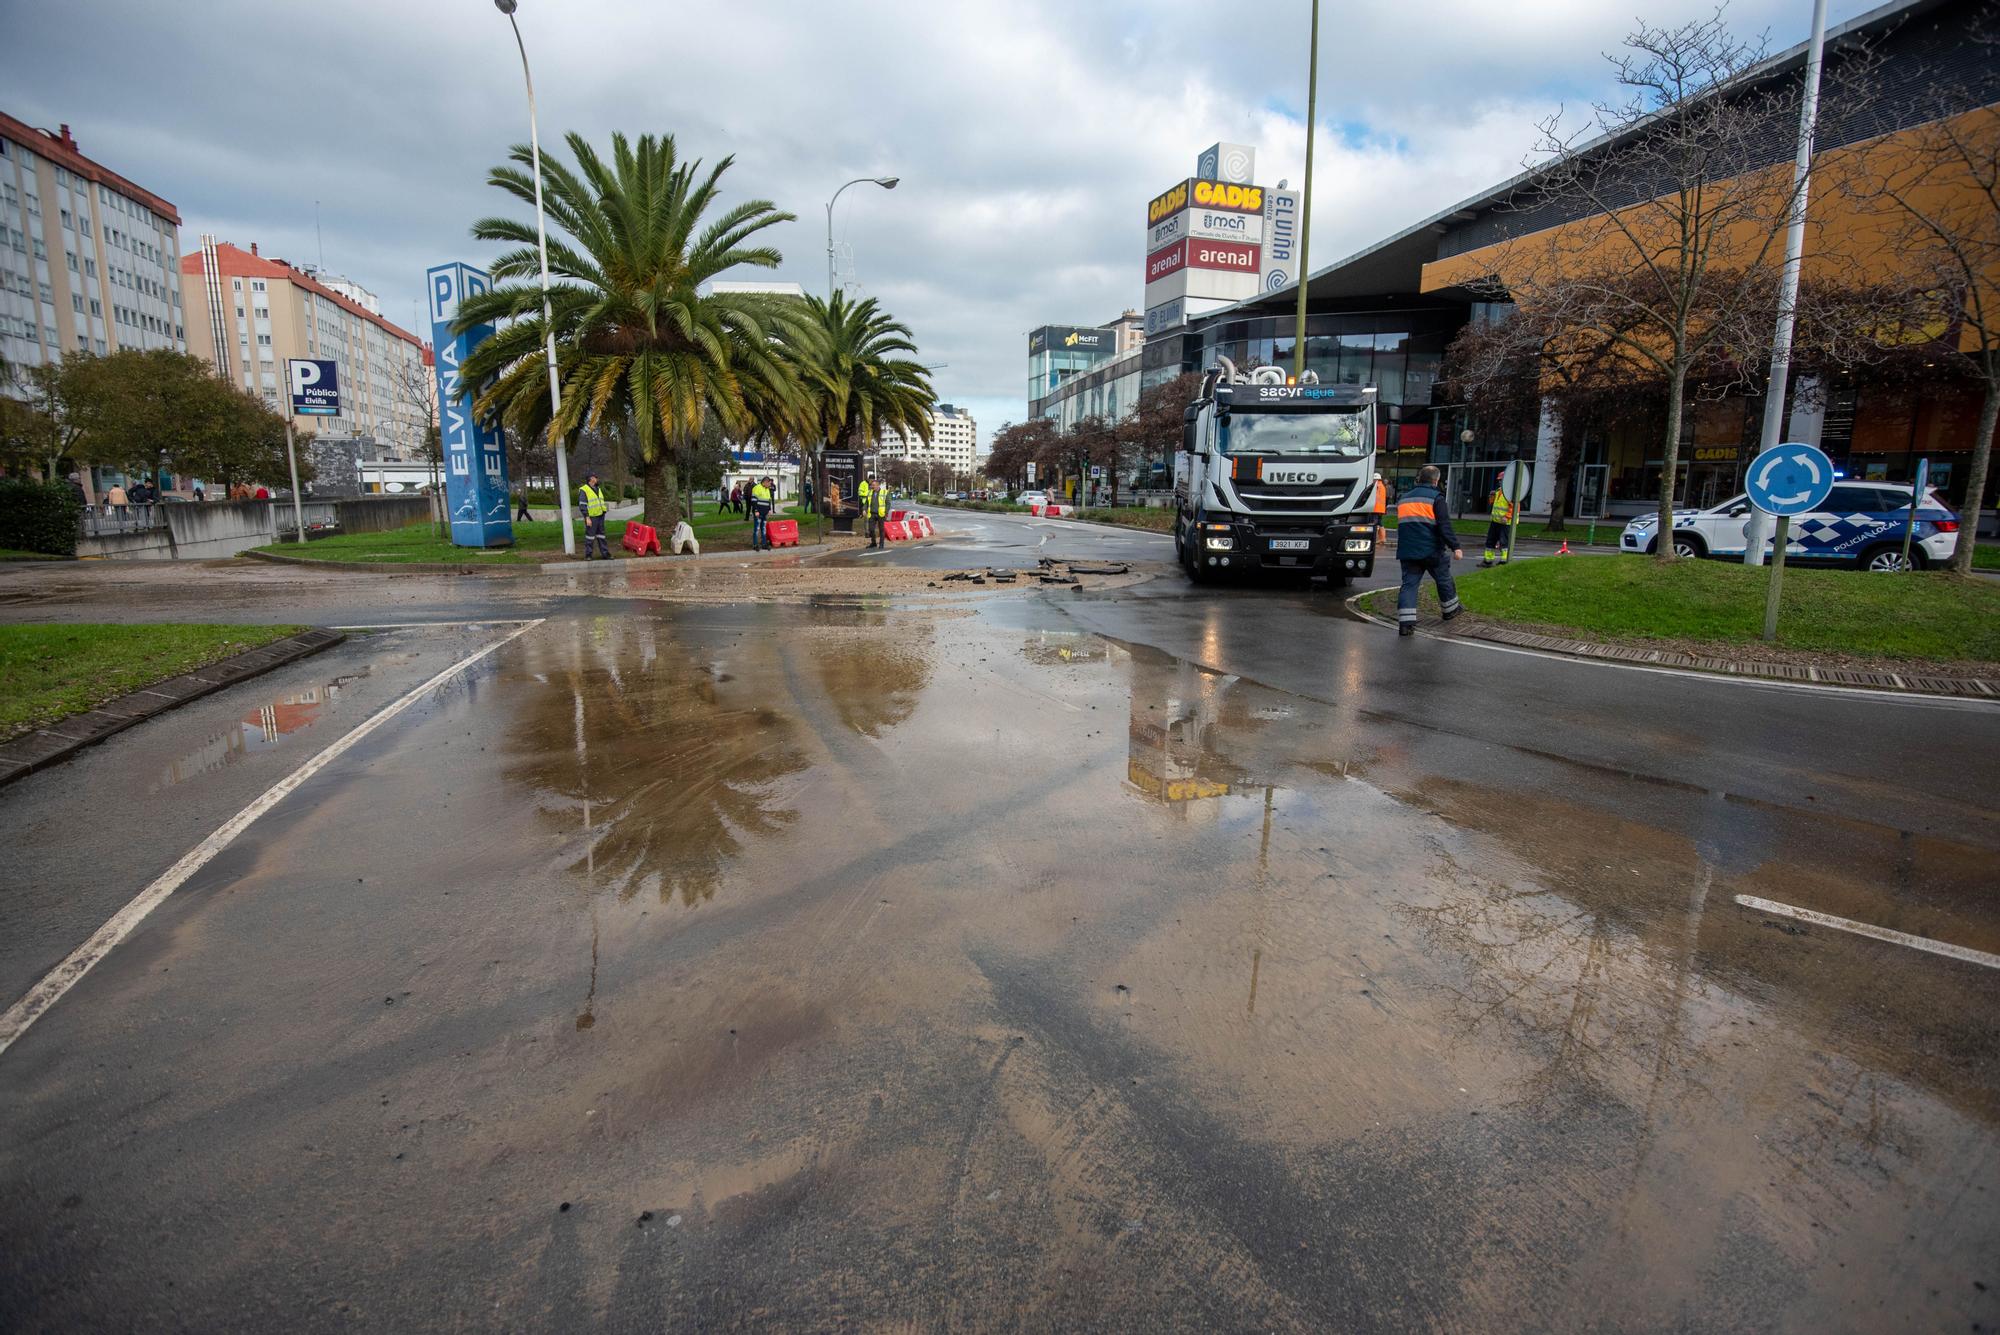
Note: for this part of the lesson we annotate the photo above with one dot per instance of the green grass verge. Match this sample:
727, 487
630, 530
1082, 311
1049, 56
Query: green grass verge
1986, 556
1153, 518
16, 554
534, 542
990, 507
1929, 615
50, 672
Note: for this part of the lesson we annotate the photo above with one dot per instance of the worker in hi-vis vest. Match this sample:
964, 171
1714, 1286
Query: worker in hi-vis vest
760, 515
875, 507
591, 501
1499, 532
1425, 545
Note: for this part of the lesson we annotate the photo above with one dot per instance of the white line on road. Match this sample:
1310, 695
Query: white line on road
1945, 948
85, 957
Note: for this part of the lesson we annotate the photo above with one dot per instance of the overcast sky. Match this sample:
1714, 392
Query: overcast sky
1028, 136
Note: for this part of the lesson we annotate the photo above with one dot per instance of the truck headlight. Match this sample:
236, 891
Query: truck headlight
1220, 542
1357, 544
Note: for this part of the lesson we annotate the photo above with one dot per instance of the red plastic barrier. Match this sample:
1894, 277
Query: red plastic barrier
895, 530
782, 532
640, 539
899, 514
924, 523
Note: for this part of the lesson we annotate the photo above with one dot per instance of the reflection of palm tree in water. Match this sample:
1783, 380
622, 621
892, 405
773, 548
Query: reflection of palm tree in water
873, 674
675, 765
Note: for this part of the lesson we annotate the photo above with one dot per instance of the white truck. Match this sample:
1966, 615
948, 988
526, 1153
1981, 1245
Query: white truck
1274, 475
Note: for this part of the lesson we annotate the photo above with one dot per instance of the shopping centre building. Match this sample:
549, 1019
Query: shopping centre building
1385, 315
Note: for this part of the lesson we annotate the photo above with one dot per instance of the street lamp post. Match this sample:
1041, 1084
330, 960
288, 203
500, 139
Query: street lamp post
548, 312
886, 182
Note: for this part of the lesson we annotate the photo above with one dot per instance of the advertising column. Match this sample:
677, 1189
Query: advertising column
475, 456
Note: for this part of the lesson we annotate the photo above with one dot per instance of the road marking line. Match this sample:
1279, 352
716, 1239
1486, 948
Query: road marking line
1945, 948
66, 975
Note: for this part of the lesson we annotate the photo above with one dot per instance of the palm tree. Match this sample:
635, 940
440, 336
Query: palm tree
636, 341
856, 381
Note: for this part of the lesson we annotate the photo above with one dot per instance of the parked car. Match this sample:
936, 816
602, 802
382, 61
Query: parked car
1034, 500
1859, 525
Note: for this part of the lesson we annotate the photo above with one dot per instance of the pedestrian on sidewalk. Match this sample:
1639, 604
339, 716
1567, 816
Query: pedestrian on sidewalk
590, 500
1500, 531
760, 514
1425, 543
116, 498
521, 497
199, 495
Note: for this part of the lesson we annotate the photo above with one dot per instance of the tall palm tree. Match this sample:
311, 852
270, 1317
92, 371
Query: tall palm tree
857, 382
636, 341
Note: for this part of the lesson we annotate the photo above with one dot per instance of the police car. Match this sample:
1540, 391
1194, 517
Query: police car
1860, 525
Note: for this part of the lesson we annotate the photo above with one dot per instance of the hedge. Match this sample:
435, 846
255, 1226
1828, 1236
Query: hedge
38, 517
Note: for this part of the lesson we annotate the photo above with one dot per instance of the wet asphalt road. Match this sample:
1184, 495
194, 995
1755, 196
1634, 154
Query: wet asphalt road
1139, 959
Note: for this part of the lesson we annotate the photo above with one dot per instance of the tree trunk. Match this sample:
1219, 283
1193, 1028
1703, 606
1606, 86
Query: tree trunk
1670, 461
1569, 448
662, 492
1975, 479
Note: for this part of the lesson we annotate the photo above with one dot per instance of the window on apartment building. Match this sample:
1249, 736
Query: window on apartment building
67, 221
41, 251
54, 339
239, 315
97, 308
83, 343
48, 294
256, 285
99, 344
263, 340
76, 301
90, 268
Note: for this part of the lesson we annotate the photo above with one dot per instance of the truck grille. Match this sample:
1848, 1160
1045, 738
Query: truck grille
1261, 497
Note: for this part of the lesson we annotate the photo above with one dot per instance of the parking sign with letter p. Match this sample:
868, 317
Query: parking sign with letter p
315, 387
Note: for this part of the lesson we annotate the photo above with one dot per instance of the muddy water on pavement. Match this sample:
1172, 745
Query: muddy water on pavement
972, 970
1069, 974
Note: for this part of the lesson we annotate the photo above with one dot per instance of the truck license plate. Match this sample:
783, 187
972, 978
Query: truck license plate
1291, 544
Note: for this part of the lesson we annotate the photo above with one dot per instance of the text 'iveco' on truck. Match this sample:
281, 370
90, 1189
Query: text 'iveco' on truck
1277, 476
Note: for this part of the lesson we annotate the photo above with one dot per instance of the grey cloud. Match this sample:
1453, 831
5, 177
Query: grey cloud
1028, 135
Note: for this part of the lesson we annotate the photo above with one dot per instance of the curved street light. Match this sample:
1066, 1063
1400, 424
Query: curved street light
886, 182
548, 314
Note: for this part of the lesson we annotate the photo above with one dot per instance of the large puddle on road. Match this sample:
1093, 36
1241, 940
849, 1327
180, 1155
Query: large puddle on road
1042, 934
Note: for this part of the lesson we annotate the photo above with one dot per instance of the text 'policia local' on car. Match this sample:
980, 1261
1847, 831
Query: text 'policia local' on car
1860, 524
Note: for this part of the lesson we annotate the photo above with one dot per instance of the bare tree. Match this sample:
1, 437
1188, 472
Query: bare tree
1650, 228
1938, 188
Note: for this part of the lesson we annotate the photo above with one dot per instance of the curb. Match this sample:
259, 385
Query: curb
1667, 660
519, 567
59, 741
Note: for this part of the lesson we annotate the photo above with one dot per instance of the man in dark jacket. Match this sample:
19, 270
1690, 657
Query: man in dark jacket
1425, 542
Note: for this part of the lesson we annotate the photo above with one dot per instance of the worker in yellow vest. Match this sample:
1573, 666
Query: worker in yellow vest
1499, 532
591, 501
875, 507
760, 514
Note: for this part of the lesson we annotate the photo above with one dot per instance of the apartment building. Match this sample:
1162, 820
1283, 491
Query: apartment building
89, 261
247, 315
954, 441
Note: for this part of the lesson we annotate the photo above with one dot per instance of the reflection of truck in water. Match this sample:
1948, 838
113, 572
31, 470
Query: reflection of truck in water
1276, 476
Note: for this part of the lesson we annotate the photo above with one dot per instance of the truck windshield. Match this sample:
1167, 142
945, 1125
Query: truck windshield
1338, 433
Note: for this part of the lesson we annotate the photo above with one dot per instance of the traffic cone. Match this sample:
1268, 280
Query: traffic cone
1565, 548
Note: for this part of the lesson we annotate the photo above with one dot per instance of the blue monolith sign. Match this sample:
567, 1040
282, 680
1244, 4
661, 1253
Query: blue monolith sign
475, 456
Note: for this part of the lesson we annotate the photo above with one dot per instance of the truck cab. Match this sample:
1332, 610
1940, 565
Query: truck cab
1276, 475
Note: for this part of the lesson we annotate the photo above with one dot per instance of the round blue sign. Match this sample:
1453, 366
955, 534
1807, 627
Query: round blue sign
1789, 479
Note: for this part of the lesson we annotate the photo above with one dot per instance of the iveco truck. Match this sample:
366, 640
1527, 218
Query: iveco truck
1274, 475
